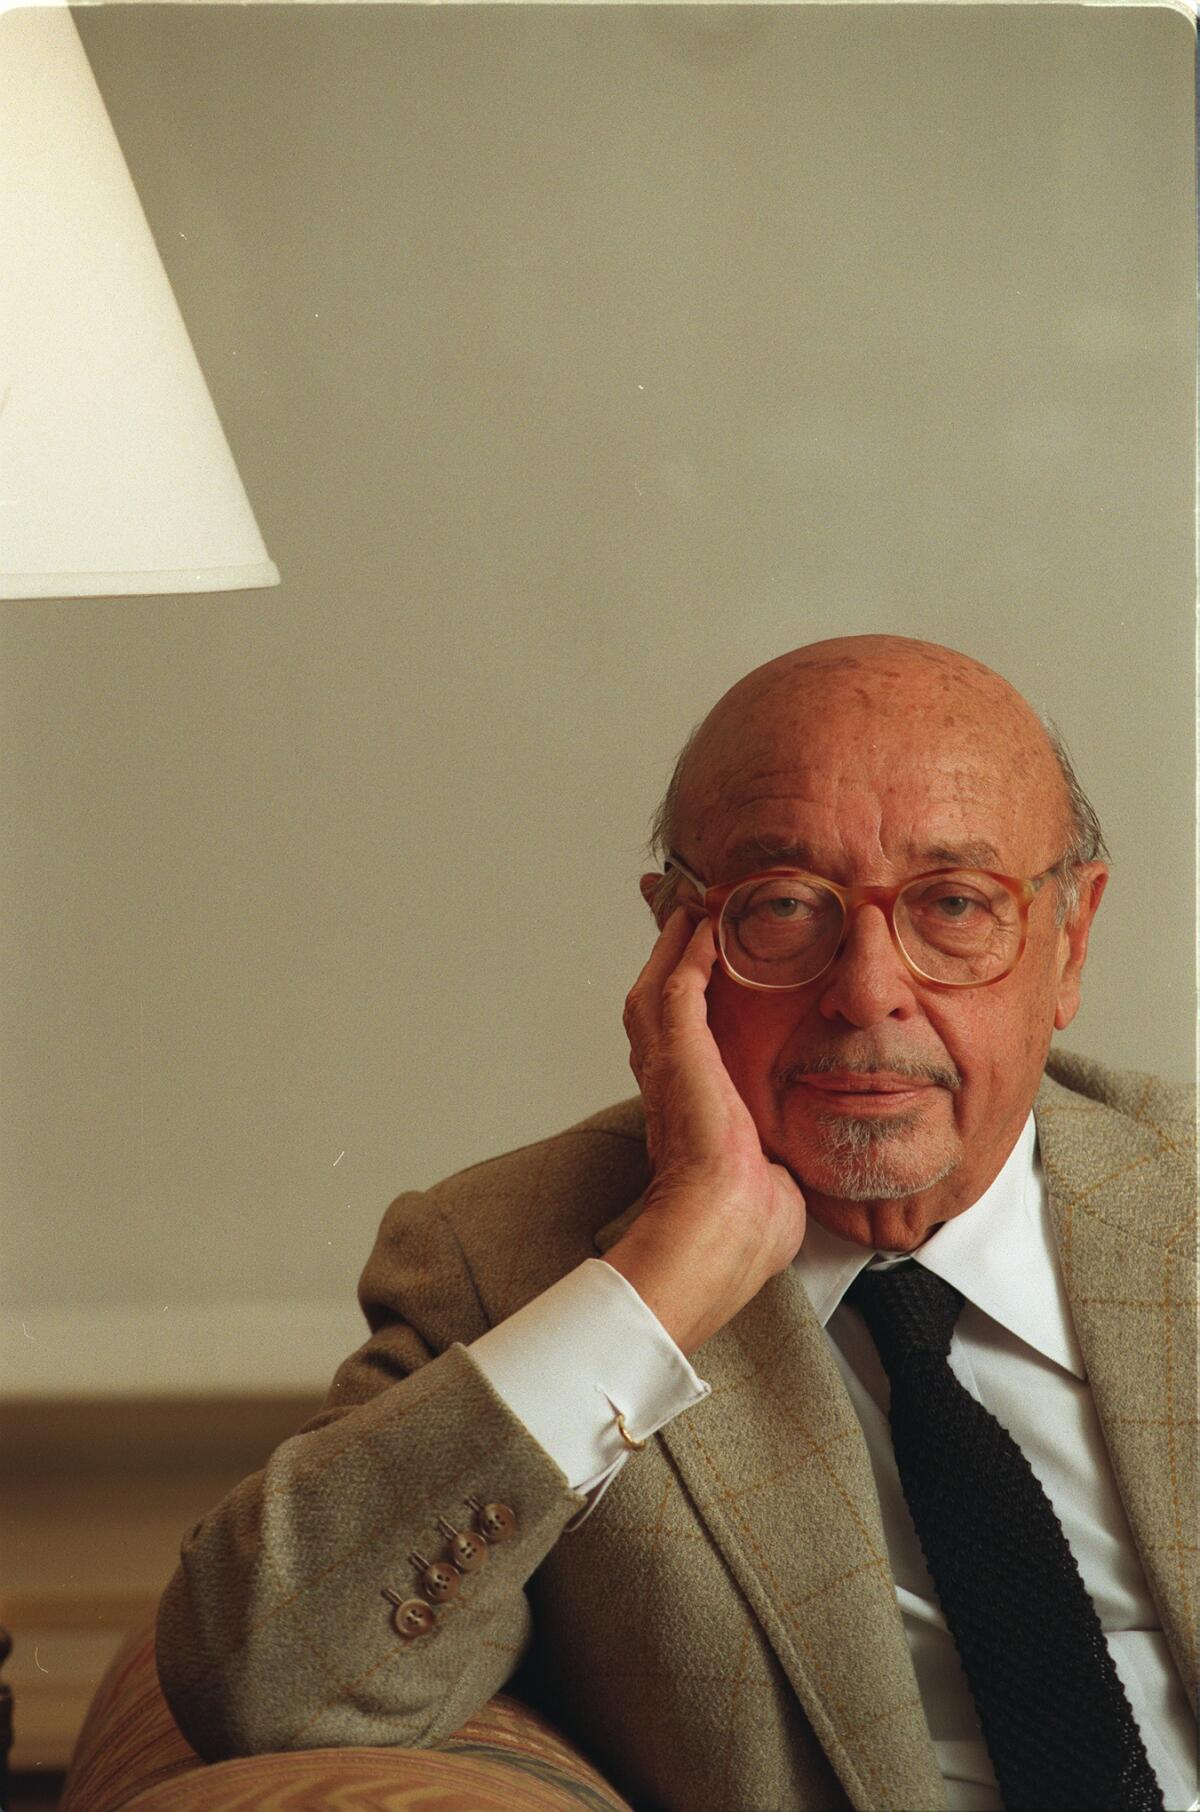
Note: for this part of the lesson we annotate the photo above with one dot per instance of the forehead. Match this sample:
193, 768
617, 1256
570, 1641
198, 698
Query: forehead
873, 808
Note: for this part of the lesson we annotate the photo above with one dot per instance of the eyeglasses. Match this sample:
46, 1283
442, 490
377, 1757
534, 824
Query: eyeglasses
956, 927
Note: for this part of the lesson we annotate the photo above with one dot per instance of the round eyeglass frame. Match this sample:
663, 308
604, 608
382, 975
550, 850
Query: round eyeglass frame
713, 901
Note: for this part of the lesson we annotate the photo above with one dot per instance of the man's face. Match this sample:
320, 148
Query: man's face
894, 1102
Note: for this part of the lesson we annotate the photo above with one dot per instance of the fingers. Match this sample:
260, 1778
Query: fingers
681, 942
680, 946
669, 946
684, 989
671, 1050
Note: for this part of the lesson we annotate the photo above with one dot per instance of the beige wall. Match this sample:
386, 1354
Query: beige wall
575, 360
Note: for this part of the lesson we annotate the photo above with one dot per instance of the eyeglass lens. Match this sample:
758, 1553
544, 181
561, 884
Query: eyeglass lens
957, 927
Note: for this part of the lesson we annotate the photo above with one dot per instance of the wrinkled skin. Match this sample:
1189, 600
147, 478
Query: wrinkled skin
866, 759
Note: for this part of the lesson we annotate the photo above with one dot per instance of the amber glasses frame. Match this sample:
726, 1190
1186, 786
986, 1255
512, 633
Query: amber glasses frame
713, 901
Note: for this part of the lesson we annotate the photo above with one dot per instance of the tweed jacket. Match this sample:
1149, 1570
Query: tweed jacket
722, 1632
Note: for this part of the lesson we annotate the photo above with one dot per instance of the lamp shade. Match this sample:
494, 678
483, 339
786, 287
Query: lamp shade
115, 476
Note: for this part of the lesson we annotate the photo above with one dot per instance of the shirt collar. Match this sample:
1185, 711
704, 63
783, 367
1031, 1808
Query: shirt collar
999, 1254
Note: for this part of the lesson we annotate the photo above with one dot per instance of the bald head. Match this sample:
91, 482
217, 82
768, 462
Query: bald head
875, 764
880, 702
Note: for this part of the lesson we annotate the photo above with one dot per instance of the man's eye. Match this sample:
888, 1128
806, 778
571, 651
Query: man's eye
782, 908
774, 906
957, 907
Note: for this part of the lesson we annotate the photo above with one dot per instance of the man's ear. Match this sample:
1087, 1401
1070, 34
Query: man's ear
649, 885
1092, 878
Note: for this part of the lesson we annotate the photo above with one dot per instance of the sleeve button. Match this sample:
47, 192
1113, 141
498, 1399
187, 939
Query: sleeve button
468, 1552
496, 1522
412, 1617
439, 1581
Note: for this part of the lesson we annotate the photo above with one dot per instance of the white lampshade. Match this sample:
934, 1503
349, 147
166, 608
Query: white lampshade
115, 476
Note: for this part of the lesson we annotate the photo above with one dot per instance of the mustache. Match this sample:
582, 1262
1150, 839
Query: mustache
942, 1075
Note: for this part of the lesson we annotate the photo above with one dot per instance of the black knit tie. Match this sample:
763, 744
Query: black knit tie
1055, 1717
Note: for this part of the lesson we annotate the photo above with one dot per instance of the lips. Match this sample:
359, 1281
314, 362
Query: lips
877, 1084
849, 1083
866, 1096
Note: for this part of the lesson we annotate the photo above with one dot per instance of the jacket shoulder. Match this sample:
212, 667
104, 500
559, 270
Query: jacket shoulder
621, 1124
513, 1224
1118, 1150
582, 1176
1134, 1095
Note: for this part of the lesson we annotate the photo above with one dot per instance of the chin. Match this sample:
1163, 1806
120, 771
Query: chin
872, 1160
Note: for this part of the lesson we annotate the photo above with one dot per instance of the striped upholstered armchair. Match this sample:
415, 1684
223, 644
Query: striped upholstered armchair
131, 1757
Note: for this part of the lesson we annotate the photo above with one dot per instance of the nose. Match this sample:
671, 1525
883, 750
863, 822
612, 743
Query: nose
868, 980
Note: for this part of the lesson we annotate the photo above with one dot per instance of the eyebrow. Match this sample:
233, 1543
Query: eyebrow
976, 854
776, 854
782, 853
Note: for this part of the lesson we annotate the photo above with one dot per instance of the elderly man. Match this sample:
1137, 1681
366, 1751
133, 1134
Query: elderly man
917, 1530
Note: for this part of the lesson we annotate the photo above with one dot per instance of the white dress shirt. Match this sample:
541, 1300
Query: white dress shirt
589, 1346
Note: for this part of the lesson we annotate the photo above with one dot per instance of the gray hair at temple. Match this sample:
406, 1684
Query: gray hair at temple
1085, 842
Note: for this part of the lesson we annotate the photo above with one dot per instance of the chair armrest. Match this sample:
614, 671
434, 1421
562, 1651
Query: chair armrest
131, 1757
6, 1717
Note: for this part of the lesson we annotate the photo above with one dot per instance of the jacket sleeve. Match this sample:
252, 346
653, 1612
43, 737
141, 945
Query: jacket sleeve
274, 1632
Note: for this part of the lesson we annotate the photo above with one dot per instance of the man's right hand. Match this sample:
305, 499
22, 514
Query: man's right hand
720, 1218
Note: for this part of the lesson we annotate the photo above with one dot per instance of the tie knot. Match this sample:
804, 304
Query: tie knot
910, 1312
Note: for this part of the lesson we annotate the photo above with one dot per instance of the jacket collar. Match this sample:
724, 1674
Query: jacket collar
1001, 1254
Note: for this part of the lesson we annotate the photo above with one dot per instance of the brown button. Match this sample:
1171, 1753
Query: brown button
468, 1552
412, 1616
439, 1581
496, 1521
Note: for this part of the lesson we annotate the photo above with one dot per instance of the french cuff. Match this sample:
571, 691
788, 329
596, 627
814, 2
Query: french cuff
580, 1355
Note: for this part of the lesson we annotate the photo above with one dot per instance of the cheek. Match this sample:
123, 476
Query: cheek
997, 1040
750, 1029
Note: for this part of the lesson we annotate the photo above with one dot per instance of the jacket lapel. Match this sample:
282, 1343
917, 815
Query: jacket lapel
1120, 1200
777, 1469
